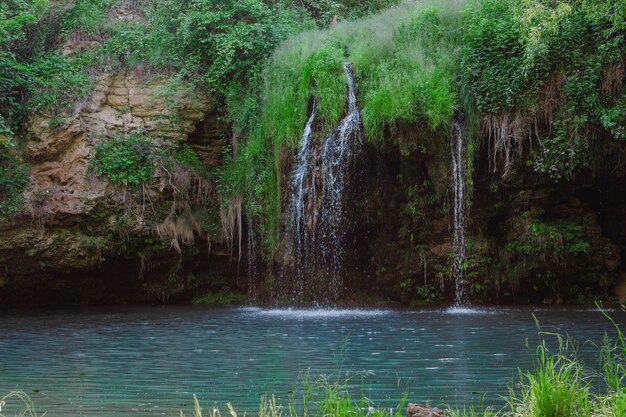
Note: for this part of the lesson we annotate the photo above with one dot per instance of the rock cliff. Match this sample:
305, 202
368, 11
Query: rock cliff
68, 228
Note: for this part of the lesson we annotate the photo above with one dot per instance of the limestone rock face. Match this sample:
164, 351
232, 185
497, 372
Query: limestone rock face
64, 199
125, 103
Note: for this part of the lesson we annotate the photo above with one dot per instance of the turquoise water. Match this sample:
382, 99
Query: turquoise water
149, 361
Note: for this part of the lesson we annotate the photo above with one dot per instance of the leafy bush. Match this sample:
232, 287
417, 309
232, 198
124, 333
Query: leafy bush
548, 241
33, 76
86, 18
126, 161
13, 180
188, 157
550, 70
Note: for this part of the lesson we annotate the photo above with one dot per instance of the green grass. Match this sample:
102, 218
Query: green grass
321, 396
557, 388
405, 60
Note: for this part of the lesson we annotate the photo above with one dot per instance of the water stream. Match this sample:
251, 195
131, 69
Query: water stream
318, 224
459, 169
339, 150
303, 190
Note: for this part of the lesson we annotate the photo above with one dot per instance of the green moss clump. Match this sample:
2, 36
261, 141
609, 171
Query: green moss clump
126, 161
220, 298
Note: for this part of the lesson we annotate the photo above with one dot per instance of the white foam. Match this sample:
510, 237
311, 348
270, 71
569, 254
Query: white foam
312, 313
468, 311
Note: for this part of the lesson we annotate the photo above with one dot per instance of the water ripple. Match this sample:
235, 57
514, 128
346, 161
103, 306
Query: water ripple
146, 361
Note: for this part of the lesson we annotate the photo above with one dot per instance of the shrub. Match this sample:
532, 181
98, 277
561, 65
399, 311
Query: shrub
126, 161
549, 242
86, 18
550, 71
13, 180
187, 157
33, 76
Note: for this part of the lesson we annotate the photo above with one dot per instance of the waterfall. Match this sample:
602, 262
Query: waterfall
318, 242
459, 169
301, 187
253, 272
339, 149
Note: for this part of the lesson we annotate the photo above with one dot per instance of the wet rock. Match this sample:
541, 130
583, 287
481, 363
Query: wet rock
620, 289
418, 410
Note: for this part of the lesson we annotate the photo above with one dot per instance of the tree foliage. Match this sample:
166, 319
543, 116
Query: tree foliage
550, 70
34, 76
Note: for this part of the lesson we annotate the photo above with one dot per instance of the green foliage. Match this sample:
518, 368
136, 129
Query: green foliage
492, 55
55, 83
86, 18
127, 42
187, 157
557, 64
13, 180
324, 10
412, 78
56, 122
223, 297
33, 76
426, 294
404, 60
419, 203
555, 389
230, 43
126, 161
548, 241
613, 118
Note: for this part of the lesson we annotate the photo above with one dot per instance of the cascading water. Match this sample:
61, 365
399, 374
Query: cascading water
341, 145
301, 183
459, 169
318, 243
253, 272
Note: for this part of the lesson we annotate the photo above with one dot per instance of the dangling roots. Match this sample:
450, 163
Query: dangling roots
230, 215
506, 133
182, 224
